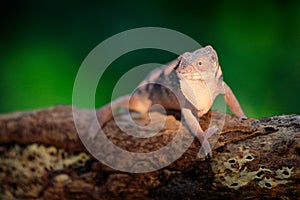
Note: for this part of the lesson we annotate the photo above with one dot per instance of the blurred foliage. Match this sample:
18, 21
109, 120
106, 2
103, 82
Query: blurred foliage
44, 43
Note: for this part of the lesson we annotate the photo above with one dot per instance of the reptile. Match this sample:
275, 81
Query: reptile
189, 84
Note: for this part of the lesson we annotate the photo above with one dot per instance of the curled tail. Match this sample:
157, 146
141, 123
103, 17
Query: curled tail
105, 113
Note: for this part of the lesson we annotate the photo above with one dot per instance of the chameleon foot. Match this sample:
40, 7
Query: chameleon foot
203, 138
93, 130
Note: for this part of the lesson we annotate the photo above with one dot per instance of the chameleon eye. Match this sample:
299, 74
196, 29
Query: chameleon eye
200, 63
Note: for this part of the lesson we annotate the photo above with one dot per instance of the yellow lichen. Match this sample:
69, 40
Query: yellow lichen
284, 172
233, 172
268, 182
22, 167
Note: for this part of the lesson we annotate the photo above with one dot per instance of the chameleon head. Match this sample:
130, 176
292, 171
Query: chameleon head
200, 77
201, 64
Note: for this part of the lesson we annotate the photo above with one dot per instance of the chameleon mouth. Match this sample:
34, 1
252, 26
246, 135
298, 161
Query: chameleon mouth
191, 75
186, 71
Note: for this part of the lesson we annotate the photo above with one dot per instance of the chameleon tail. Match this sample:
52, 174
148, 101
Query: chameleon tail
105, 113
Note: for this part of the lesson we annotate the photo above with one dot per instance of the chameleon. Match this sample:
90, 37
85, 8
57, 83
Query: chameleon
188, 84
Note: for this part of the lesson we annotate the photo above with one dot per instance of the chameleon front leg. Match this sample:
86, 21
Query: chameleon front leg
192, 123
233, 103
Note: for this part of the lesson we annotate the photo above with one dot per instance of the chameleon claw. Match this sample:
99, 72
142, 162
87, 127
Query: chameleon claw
242, 118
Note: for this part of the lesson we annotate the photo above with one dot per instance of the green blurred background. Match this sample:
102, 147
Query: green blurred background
44, 43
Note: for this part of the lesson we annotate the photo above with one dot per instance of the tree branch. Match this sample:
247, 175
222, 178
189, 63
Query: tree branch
42, 157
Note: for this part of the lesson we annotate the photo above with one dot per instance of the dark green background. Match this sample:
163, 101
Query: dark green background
43, 45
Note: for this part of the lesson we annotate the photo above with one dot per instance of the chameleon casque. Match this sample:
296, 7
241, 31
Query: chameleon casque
189, 84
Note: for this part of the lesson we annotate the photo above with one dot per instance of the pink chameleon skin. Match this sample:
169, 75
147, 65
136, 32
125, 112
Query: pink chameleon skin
194, 80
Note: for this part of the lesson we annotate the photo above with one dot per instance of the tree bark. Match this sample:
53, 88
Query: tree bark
42, 157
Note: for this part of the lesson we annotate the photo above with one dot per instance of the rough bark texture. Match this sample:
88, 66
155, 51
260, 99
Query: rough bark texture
42, 157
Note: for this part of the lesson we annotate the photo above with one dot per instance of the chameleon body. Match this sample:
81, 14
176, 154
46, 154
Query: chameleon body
189, 84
